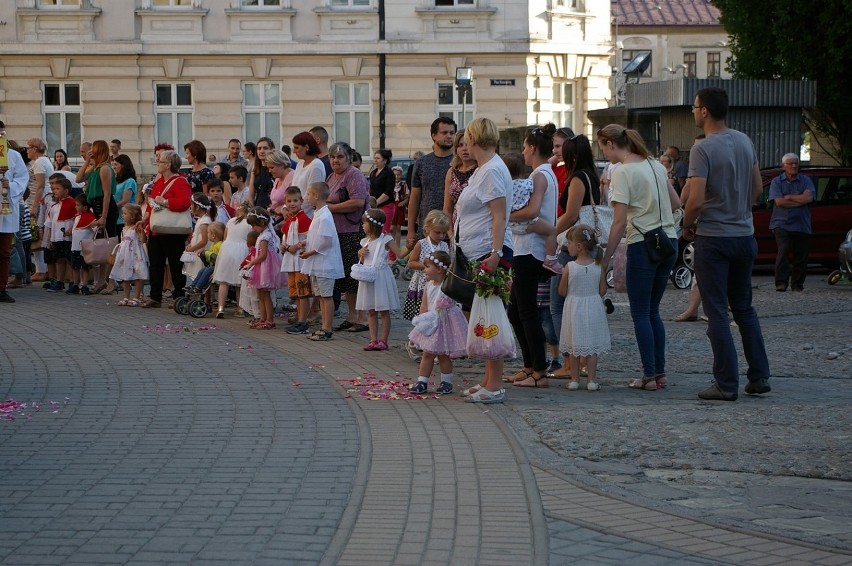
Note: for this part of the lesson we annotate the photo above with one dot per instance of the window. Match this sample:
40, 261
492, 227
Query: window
453, 2
62, 113
58, 3
259, 3
627, 55
562, 104
568, 4
172, 4
714, 64
450, 103
350, 3
351, 110
690, 59
262, 111
173, 109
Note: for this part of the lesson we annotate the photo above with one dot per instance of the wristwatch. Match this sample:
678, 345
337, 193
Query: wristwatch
498, 252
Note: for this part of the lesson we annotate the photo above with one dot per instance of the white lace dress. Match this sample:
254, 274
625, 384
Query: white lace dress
584, 327
381, 294
233, 252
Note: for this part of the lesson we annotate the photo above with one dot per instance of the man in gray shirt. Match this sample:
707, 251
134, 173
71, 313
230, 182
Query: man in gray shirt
724, 182
430, 173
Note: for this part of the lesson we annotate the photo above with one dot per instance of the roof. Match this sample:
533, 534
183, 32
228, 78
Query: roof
665, 13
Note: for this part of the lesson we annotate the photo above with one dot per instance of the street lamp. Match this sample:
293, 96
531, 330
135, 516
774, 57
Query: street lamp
464, 78
619, 47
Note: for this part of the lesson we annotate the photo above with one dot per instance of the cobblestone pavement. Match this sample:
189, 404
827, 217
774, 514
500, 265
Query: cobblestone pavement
203, 441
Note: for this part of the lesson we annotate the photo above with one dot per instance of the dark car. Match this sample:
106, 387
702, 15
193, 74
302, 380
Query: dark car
831, 214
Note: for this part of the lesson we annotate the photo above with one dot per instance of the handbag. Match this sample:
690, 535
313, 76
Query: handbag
458, 284
489, 334
97, 250
365, 273
598, 216
165, 221
657, 242
112, 254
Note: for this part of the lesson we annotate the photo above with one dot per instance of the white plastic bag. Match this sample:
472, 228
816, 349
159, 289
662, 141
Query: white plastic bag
426, 323
489, 334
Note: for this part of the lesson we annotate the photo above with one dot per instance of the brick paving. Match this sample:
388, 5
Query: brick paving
225, 445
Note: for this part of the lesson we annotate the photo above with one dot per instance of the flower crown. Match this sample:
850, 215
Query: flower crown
256, 215
438, 262
199, 205
373, 220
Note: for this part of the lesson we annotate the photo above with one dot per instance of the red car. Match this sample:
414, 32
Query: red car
831, 214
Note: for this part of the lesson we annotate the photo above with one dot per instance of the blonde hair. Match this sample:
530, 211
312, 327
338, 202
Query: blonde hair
218, 229
585, 236
482, 132
134, 212
622, 137
436, 220
457, 161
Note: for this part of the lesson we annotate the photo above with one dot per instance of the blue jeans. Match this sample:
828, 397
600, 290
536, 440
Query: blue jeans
551, 336
646, 283
723, 266
557, 301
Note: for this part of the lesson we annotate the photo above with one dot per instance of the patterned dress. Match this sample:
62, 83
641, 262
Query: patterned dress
450, 337
131, 259
411, 308
458, 181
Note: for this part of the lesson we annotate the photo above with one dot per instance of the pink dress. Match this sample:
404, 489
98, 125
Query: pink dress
267, 274
450, 337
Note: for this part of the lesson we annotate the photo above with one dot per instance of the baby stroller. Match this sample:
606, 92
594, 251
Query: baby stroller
192, 302
845, 256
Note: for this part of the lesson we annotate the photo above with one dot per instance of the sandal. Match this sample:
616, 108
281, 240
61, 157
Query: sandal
134, 303
646, 383
486, 397
322, 336
661, 380
536, 381
123, 303
561, 373
359, 328
520, 376
107, 291
345, 325
471, 391
265, 325
573, 386
683, 317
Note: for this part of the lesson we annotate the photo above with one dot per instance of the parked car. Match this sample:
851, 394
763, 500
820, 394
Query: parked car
831, 214
831, 217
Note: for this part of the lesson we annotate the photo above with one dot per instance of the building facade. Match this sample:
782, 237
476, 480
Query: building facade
373, 72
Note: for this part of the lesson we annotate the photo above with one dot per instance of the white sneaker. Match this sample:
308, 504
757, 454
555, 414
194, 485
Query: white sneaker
593, 386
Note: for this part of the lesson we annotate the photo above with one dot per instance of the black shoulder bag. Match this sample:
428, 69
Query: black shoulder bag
458, 284
657, 242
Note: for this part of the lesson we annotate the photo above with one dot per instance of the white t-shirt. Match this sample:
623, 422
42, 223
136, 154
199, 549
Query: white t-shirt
322, 237
490, 181
304, 176
530, 243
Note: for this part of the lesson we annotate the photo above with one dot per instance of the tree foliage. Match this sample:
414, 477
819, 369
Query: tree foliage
792, 39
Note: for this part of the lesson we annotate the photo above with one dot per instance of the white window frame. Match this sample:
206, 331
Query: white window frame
364, 146
59, 5
174, 110
559, 107
173, 4
350, 4
454, 109
262, 109
63, 109
261, 4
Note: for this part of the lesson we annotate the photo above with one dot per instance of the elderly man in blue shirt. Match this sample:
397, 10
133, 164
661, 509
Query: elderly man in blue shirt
792, 195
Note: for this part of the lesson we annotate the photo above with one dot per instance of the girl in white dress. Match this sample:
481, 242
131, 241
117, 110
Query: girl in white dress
234, 249
585, 332
381, 296
204, 212
131, 258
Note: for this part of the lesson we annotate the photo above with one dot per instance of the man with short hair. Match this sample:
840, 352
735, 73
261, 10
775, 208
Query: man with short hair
427, 181
679, 167
114, 149
724, 183
321, 136
792, 195
234, 156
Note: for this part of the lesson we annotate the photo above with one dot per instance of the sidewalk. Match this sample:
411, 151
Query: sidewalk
200, 440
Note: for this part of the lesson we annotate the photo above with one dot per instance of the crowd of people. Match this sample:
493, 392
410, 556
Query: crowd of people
316, 228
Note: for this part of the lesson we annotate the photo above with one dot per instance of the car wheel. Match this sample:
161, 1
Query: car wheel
682, 277
835, 277
688, 256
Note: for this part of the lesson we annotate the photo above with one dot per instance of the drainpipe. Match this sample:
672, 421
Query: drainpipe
382, 77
